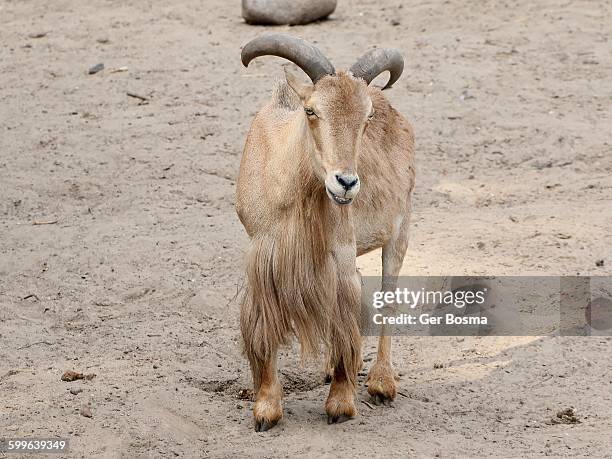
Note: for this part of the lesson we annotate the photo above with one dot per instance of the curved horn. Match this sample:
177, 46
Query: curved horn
300, 52
376, 61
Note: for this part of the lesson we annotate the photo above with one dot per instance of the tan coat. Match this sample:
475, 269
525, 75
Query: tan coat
301, 271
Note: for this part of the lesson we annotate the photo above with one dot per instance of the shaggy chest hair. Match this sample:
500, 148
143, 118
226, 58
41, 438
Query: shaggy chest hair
294, 287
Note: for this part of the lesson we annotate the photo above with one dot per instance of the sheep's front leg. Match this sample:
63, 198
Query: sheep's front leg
262, 355
345, 340
268, 408
340, 404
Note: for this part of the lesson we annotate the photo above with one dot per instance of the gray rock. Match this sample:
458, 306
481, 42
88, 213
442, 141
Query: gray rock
278, 12
96, 68
86, 411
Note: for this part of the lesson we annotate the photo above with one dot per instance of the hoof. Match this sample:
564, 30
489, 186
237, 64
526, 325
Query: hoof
340, 408
380, 399
267, 412
263, 425
338, 419
381, 384
328, 379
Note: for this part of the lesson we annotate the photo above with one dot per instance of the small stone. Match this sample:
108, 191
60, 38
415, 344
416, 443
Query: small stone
70, 375
96, 68
86, 411
245, 394
37, 35
566, 416
76, 390
466, 95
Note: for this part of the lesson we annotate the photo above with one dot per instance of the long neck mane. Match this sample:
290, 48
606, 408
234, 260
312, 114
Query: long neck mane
308, 216
294, 284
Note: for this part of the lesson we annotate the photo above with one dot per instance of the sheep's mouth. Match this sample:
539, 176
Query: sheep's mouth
339, 199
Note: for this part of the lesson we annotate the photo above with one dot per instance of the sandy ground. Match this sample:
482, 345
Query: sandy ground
136, 280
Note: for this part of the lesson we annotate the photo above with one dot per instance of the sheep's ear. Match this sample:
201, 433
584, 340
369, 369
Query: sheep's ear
303, 90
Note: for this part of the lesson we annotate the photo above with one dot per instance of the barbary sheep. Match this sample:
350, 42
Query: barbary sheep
326, 175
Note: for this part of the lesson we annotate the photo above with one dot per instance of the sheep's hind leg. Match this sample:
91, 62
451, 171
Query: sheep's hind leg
381, 379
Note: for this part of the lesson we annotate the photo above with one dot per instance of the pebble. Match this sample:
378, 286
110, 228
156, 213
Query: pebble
96, 68
86, 411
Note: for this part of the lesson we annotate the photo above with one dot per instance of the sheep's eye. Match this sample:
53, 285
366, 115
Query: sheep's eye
371, 115
309, 111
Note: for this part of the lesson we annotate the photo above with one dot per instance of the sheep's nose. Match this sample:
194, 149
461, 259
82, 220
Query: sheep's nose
347, 181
